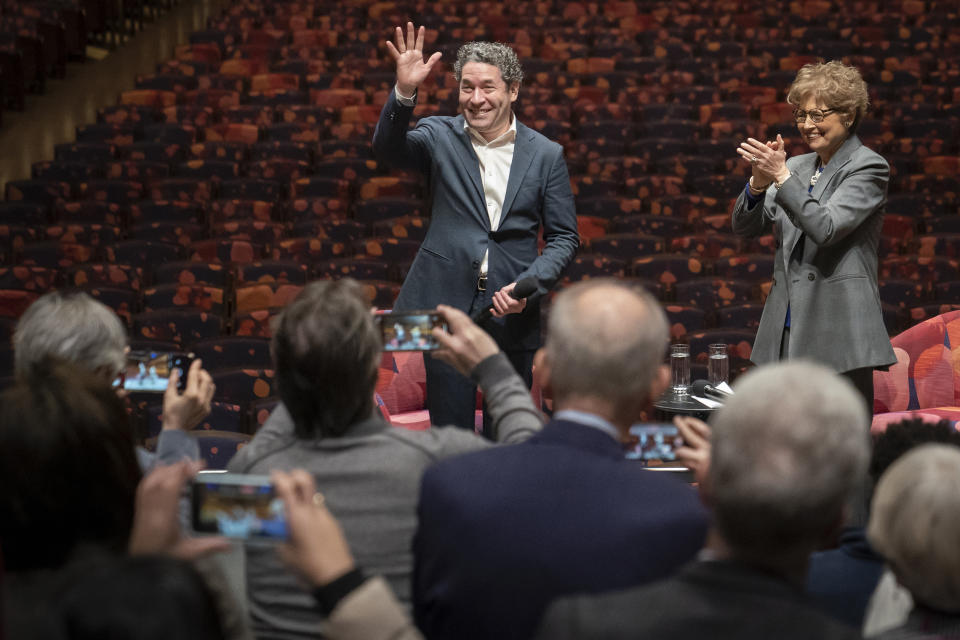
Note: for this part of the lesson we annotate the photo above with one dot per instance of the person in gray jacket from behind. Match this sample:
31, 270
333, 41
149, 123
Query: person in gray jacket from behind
327, 349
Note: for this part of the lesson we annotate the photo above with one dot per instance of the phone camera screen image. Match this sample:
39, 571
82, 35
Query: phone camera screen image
655, 442
242, 507
146, 371
410, 331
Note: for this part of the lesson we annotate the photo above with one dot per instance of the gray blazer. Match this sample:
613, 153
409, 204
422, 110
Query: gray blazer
835, 315
448, 263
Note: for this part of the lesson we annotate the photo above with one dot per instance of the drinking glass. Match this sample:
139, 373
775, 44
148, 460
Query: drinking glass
680, 368
718, 365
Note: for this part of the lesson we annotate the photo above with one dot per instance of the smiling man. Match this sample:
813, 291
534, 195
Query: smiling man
493, 185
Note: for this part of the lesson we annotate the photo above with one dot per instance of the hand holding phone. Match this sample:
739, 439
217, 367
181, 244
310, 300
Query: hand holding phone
317, 549
243, 507
185, 409
410, 331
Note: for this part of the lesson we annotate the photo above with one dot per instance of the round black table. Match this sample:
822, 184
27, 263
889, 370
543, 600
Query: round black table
671, 404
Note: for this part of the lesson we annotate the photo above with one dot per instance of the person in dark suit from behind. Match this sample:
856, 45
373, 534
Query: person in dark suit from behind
493, 185
788, 450
501, 535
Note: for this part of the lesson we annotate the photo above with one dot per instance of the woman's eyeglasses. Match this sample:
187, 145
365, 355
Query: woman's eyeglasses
816, 115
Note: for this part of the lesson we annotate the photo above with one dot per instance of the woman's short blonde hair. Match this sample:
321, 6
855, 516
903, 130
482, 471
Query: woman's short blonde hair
915, 524
839, 86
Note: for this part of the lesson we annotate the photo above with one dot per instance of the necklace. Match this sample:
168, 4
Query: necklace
816, 176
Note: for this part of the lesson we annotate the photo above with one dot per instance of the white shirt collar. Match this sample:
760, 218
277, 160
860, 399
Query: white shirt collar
509, 135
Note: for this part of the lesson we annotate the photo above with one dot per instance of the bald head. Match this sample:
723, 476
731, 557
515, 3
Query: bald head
605, 341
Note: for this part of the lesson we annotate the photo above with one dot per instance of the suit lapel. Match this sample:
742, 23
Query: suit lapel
463, 149
840, 158
522, 153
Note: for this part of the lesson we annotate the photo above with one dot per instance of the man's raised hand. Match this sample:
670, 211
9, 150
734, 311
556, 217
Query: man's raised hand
411, 69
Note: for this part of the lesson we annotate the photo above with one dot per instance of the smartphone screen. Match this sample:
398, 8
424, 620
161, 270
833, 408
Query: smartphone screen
244, 507
410, 331
148, 371
655, 442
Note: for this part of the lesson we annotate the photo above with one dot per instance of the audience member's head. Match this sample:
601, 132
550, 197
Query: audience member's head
915, 524
900, 437
606, 344
68, 470
73, 327
788, 450
139, 598
327, 348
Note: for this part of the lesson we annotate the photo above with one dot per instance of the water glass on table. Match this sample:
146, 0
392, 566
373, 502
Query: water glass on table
718, 365
680, 368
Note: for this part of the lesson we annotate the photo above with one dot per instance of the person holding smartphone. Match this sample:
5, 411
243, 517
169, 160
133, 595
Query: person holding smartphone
73, 327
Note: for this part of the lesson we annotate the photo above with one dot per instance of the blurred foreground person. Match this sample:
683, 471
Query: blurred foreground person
915, 526
782, 467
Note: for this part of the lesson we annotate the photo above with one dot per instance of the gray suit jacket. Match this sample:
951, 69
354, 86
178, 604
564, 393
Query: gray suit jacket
835, 315
448, 263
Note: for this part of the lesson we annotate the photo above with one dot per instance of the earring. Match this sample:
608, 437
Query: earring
847, 124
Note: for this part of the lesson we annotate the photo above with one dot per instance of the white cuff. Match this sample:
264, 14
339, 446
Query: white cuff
404, 100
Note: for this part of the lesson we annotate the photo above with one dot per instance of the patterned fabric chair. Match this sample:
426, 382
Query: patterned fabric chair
710, 293
217, 448
376, 209
195, 296
256, 324
13, 302
743, 316
224, 416
392, 250
359, 269
308, 249
168, 232
226, 251
233, 352
227, 210
272, 271
24, 213
685, 320
266, 295
181, 326
124, 302
668, 268
627, 245
143, 253
924, 380
654, 225
24, 278
190, 272
121, 276
750, 267
243, 385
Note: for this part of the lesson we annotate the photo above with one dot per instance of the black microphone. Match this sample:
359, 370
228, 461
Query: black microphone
524, 289
704, 389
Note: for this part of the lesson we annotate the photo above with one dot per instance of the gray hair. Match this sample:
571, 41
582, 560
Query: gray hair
494, 53
73, 327
606, 340
915, 524
788, 451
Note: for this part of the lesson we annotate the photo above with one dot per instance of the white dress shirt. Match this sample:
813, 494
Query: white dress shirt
495, 159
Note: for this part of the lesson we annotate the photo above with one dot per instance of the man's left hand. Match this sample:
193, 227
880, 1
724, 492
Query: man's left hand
504, 303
